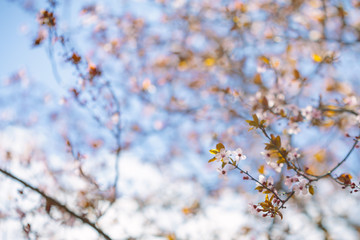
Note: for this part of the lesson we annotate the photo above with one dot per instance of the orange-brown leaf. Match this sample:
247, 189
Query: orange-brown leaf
219, 146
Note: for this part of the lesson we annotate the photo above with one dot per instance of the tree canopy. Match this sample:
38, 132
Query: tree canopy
108, 119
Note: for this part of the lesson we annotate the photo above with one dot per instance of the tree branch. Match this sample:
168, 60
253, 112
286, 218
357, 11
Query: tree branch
56, 203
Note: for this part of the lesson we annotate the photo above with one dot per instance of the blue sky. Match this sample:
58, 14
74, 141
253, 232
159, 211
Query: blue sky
15, 45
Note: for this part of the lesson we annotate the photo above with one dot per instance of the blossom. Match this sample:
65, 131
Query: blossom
270, 181
350, 101
297, 184
290, 180
238, 155
253, 208
293, 128
311, 113
307, 112
301, 187
316, 114
223, 155
262, 179
293, 109
293, 154
222, 172
267, 156
272, 162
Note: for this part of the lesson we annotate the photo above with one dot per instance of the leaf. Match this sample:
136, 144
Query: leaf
209, 62
275, 143
267, 198
214, 151
311, 190
275, 64
278, 141
171, 236
39, 39
211, 160
264, 59
75, 58
270, 146
282, 113
265, 103
329, 112
48, 206
280, 160
255, 122
219, 146
317, 58
236, 19
256, 119
345, 178
261, 169
257, 79
296, 74
182, 64
263, 205
309, 170
320, 155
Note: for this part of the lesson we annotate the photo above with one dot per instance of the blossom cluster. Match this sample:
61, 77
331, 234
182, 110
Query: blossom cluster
270, 207
298, 184
276, 156
229, 159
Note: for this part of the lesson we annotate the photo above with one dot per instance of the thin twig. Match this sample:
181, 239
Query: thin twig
257, 181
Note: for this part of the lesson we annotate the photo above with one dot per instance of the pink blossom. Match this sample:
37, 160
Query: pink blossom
223, 156
269, 182
272, 162
238, 155
300, 187
350, 101
253, 208
293, 128
222, 173
290, 180
293, 155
